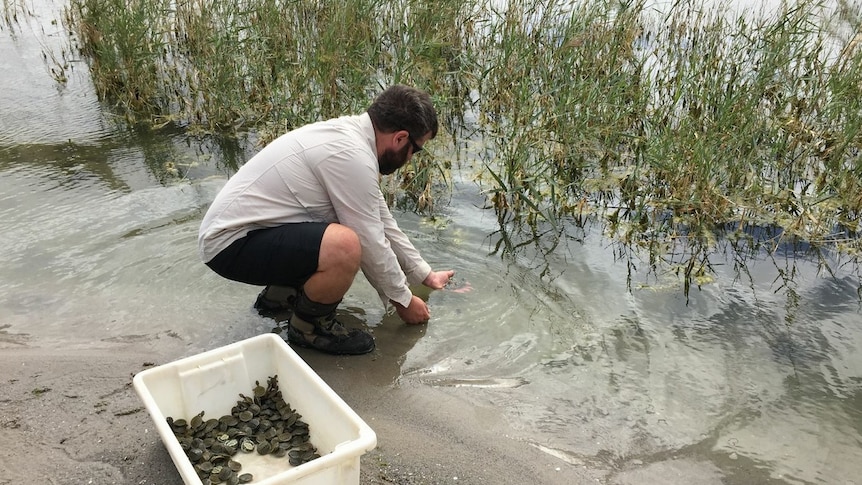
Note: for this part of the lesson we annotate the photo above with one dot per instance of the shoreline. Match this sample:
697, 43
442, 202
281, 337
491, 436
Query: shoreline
76, 414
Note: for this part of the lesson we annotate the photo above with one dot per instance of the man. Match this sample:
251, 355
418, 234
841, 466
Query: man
306, 213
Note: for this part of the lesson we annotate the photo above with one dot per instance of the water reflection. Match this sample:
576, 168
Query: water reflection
602, 372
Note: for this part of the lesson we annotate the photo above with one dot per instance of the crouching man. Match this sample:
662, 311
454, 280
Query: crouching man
306, 213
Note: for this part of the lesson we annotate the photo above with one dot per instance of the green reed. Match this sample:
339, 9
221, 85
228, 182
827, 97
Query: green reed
675, 129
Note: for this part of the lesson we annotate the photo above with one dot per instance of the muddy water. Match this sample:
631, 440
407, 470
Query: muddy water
733, 385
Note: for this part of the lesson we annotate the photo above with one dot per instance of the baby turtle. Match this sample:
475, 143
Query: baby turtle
229, 420
264, 448
197, 421
195, 454
247, 445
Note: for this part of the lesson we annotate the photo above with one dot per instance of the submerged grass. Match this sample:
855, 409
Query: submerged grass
677, 128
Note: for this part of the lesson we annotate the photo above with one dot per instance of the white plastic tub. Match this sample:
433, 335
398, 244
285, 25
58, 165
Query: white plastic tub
212, 381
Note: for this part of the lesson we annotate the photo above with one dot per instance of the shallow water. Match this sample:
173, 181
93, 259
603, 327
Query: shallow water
99, 226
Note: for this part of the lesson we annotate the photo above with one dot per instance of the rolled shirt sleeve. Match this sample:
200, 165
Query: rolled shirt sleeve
389, 261
415, 268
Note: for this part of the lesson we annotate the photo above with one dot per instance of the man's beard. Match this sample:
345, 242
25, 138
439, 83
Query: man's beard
390, 160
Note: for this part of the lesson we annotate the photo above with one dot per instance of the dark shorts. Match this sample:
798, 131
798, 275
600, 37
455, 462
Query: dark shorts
285, 255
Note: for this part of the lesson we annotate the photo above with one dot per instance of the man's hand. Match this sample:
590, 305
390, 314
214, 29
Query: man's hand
415, 313
436, 280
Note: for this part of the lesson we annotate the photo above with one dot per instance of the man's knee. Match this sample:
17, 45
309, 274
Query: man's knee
341, 246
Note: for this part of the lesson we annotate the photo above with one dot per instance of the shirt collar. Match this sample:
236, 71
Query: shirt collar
368, 128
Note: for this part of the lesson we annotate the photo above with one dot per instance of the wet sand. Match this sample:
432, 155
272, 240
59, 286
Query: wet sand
71, 416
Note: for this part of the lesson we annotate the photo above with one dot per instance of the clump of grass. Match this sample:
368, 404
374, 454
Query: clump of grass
257, 64
683, 127
267, 65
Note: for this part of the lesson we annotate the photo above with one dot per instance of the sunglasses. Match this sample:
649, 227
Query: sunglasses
416, 148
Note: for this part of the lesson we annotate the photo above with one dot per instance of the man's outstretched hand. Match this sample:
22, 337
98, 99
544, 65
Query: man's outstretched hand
415, 313
436, 280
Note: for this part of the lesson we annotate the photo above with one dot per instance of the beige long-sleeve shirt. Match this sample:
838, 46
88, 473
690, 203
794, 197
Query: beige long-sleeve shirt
323, 172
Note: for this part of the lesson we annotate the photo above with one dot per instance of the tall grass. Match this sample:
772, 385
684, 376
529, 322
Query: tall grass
676, 129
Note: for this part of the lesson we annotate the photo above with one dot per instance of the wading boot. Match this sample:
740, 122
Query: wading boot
328, 335
313, 325
276, 300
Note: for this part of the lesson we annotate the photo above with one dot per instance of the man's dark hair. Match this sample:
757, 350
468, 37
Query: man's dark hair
402, 107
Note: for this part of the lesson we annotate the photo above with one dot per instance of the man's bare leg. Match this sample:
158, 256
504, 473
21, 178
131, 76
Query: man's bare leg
337, 265
313, 323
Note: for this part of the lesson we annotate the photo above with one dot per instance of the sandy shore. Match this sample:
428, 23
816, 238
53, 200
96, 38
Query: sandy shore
71, 416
